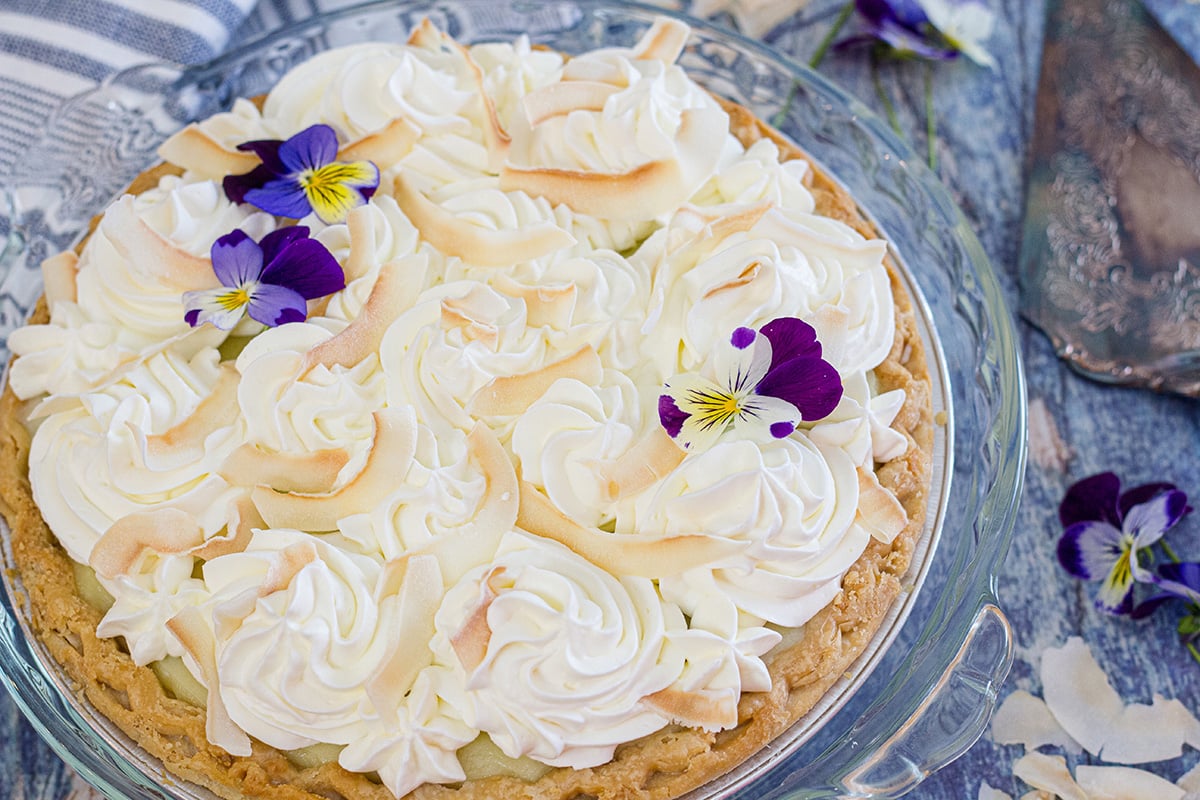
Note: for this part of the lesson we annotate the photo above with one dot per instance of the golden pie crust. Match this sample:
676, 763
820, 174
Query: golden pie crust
663, 765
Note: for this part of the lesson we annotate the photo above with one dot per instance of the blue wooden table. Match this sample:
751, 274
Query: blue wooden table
1077, 427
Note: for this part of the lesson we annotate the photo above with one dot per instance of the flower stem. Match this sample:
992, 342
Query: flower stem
930, 121
888, 108
1166, 548
1191, 646
834, 30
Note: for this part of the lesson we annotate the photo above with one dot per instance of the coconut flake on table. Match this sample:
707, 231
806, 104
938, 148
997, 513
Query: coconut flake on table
1190, 781
1026, 720
1146, 733
987, 792
1124, 783
1048, 773
1078, 694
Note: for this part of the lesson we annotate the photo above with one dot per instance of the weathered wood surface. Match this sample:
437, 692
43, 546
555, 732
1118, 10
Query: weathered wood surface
1077, 427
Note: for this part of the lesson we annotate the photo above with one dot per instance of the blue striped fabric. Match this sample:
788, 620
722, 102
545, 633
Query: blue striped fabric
53, 49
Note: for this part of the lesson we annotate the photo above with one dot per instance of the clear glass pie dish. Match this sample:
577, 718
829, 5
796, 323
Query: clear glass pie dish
924, 690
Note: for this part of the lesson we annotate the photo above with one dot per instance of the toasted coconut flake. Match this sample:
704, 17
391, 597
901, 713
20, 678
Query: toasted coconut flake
878, 509
195, 150
499, 505
1124, 783
1156, 732
213, 413
189, 628
361, 231
427, 36
391, 455
385, 146
548, 305
513, 394
1048, 773
644, 192
471, 640
663, 42
1078, 694
58, 276
313, 473
472, 243
1025, 719
418, 581
987, 792
459, 312
647, 462
563, 97
285, 566
243, 521
390, 295
162, 530
621, 553
714, 229
140, 244
695, 709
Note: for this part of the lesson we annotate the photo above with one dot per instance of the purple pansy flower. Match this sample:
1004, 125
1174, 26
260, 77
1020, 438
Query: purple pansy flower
302, 175
272, 280
928, 29
772, 378
1174, 581
1104, 530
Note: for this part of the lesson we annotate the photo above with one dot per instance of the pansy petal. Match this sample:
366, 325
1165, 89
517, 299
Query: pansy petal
236, 186
1147, 522
212, 306
274, 243
1181, 580
909, 43
1141, 494
740, 368
777, 417
1089, 549
307, 268
812, 385
1093, 498
791, 338
1116, 590
703, 409
271, 304
236, 258
670, 416
335, 190
283, 197
311, 148
268, 152
903, 12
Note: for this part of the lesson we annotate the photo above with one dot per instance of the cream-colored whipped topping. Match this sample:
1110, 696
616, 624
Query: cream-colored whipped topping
94, 461
382, 500
790, 501
557, 653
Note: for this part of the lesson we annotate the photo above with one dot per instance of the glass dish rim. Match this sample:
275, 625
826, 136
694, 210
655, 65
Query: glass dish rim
1014, 412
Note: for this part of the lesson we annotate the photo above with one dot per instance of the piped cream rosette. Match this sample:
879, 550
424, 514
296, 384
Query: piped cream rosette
445, 504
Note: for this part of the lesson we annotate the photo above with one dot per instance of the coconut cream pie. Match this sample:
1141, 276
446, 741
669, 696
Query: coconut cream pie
467, 421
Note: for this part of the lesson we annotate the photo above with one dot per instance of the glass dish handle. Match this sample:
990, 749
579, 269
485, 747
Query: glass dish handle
951, 718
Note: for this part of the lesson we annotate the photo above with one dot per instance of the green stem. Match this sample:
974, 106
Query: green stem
1191, 646
1166, 548
888, 109
930, 121
834, 30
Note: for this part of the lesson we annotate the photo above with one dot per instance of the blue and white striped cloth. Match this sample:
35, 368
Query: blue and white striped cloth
53, 49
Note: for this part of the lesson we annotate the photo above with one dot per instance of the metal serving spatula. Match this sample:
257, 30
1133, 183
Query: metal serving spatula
1110, 260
